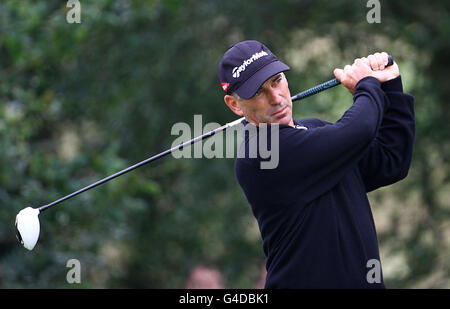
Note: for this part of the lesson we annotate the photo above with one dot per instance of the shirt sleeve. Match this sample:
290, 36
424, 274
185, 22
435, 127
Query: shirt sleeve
388, 158
319, 157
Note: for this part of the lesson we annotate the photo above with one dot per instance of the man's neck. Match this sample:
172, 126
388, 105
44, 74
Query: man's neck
291, 123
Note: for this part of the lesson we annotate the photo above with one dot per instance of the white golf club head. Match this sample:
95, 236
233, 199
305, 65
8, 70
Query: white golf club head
27, 227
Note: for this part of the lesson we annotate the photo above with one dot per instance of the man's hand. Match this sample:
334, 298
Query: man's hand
376, 62
352, 74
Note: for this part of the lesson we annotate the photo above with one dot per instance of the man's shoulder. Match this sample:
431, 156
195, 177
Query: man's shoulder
310, 123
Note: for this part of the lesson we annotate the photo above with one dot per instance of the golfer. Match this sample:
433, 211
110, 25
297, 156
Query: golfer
312, 210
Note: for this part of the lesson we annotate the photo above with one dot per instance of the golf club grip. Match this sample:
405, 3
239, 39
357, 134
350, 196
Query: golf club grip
326, 85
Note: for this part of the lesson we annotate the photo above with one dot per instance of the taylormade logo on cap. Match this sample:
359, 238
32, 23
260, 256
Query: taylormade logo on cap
237, 70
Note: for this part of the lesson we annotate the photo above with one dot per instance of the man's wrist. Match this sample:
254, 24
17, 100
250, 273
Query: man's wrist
393, 85
369, 79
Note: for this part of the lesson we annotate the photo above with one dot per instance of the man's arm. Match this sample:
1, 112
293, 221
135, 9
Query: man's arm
389, 156
319, 157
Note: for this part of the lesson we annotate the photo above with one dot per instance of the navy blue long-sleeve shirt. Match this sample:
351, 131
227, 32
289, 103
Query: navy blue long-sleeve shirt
312, 209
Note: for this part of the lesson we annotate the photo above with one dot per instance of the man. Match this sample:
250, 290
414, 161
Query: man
312, 209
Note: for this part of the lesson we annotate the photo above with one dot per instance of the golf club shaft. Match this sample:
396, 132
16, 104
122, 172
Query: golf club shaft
155, 157
299, 96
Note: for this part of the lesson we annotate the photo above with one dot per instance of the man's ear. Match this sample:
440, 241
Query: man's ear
233, 104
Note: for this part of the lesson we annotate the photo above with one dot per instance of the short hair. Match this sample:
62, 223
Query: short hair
234, 94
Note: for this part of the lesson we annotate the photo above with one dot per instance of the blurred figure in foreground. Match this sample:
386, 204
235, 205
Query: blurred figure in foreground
202, 277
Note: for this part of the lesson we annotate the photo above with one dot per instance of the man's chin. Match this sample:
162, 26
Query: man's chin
287, 119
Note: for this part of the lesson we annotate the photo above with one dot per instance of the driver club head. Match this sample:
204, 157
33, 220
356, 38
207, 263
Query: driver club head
27, 227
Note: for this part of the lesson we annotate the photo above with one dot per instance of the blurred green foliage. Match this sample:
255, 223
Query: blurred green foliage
79, 102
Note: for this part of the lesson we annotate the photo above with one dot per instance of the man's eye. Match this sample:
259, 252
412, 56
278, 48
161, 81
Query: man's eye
258, 92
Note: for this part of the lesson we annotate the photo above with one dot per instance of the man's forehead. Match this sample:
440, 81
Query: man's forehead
271, 79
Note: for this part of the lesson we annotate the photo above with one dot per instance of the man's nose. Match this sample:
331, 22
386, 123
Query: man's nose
275, 97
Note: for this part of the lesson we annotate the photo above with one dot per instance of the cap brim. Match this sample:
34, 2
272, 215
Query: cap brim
251, 86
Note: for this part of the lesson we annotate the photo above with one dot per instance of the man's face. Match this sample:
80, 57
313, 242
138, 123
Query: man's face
271, 103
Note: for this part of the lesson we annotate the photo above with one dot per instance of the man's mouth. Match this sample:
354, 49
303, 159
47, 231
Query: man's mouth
280, 111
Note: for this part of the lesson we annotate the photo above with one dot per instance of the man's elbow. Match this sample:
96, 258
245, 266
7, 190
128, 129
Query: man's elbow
399, 165
401, 173
396, 175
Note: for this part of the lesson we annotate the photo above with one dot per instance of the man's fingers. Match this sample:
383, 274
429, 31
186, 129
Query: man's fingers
366, 61
362, 60
385, 58
359, 62
347, 69
339, 74
376, 61
380, 62
373, 62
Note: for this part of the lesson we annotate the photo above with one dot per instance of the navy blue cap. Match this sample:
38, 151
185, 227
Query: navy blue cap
246, 66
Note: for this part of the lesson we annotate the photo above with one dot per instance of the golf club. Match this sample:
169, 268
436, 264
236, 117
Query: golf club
27, 221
